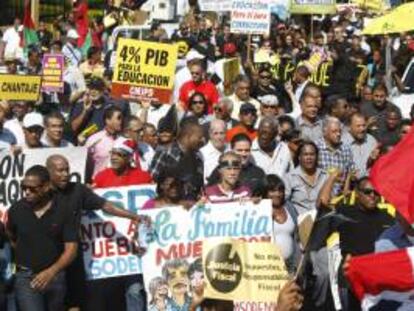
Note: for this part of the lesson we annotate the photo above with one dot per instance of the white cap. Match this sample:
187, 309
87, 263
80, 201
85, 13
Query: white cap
269, 100
33, 119
72, 34
193, 54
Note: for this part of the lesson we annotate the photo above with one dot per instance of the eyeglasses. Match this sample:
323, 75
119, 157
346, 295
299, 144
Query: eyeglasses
197, 102
369, 191
35, 130
230, 165
218, 109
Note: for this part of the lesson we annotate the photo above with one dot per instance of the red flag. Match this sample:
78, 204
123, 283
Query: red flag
393, 176
29, 35
371, 285
81, 20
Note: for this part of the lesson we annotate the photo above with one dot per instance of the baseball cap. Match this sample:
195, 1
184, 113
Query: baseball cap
269, 100
33, 119
72, 34
248, 107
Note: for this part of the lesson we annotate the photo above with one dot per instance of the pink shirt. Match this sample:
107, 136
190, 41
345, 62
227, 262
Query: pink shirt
99, 147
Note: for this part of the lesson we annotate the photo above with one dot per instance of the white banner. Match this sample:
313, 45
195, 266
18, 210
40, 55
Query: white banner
109, 243
250, 17
215, 5
173, 259
12, 168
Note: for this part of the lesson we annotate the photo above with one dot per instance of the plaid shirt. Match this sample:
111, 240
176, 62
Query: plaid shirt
340, 158
170, 158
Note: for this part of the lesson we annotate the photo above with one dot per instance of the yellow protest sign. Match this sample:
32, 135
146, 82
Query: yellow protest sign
144, 70
20, 87
231, 69
242, 271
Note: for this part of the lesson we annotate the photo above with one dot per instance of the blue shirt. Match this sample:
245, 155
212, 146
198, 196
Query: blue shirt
8, 137
392, 239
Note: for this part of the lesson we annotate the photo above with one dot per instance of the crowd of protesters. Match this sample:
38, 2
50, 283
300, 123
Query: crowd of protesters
307, 116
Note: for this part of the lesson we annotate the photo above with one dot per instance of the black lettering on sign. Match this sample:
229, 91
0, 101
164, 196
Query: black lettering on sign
10, 192
12, 166
156, 57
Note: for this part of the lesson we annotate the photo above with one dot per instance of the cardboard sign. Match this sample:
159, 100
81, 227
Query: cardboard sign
52, 73
244, 272
231, 69
109, 243
173, 259
313, 7
250, 17
215, 5
13, 168
144, 70
20, 87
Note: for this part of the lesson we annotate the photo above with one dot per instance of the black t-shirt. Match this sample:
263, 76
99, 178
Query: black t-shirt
40, 241
359, 233
77, 197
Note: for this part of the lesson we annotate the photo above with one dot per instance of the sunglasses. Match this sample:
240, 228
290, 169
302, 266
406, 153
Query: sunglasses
266, 77
230, 164
369, 191
268, 106
30, 188
218, 109
197, 102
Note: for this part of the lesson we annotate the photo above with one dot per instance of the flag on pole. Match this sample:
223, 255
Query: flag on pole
393, 176
86, 44
29, 31
383, 278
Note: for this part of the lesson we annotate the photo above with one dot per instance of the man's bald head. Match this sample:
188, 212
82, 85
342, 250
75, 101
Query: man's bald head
54, 159
58, 167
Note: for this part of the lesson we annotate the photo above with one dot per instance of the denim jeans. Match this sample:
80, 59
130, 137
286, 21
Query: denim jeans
135, 295
29, 299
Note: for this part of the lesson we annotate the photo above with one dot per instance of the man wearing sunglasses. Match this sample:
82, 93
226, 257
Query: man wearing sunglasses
359, 226
45, 237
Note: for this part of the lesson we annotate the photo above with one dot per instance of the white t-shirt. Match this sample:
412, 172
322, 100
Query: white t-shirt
11, 39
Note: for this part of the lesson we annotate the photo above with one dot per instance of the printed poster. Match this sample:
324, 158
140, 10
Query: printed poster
173, 262
12, 169
250, 17
313, 7
109, 243
244, 272
53, 66
20, 87
144, 70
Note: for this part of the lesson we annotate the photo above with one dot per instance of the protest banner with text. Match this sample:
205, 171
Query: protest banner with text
250, 17
12, 169
313, 7
173, 259
250, 274
144, 70
20, 87
215, 5
109, 243
52, 73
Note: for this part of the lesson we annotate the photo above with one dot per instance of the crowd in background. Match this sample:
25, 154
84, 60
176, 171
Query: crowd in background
302, 123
